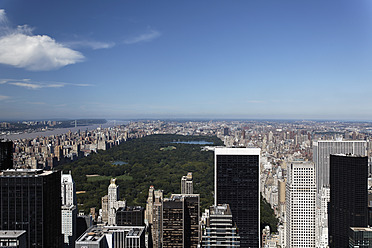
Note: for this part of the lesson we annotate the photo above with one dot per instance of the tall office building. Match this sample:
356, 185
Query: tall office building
6, 155
112, 236
113, 197
349, 197
105, 209
219, 229
321, 154
187, 184
360, 237
181, 221
157, 219
111, 203
300, 208
68, 191
69, 210
237, 184
149, 205
172, 224
130, 216
30, 200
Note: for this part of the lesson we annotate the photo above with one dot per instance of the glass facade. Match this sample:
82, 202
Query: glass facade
237, 184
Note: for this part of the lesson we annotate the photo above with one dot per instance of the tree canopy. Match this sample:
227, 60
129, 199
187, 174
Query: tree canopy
139, 163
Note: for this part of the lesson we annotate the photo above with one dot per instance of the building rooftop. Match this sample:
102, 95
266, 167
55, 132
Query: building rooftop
11, 233
223, 209
24, 172
96, 233
237, 151
361, 229
131, 208
348, 155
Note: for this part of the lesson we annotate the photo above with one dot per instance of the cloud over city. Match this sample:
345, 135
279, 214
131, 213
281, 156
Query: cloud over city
20, 48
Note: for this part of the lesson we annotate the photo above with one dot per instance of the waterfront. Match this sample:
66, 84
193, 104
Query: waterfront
59, 131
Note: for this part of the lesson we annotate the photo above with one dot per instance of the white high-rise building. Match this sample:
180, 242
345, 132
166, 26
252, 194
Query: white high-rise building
113, 202
69, 210
322, 150
187, 184
322, 218
218, 228
68, 190
300, 201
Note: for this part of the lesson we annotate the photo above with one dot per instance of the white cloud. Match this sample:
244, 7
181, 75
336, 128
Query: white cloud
83, 85
4, 97
20, 48
29, 84
95, 45
148, 36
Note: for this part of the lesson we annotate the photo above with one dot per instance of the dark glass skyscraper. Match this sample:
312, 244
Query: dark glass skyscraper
349, 197
130, 216
237, 184
181, 221
30, 200
6, 155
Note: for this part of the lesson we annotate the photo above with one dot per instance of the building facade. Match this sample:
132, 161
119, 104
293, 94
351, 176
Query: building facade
322, 149
237, 184
112, 236
13, 239
30, 200
6, 155
218, 228
348, 206
157, 219
187, 184
130, 216
300, 208
111, 203
360, 237
69, 210
181, 221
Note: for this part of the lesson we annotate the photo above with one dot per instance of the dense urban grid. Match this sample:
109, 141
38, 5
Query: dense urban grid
314, 174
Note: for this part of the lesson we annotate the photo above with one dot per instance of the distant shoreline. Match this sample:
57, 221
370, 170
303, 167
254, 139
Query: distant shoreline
59, 131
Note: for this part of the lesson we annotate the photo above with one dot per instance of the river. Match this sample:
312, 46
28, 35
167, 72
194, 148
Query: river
59, 131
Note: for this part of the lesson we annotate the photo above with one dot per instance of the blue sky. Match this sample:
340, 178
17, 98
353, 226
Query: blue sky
186, 59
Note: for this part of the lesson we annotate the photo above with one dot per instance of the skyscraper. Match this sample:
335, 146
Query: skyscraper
30, 200
6, 155
187, 184
113, 197
181, 221
300, 208
321, 154
111, 203
219, 229
149, 205
130, 216
349, 197
157, 219
237, 184
69, 210
360, 237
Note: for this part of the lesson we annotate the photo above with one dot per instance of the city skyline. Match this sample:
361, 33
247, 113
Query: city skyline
241, 60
